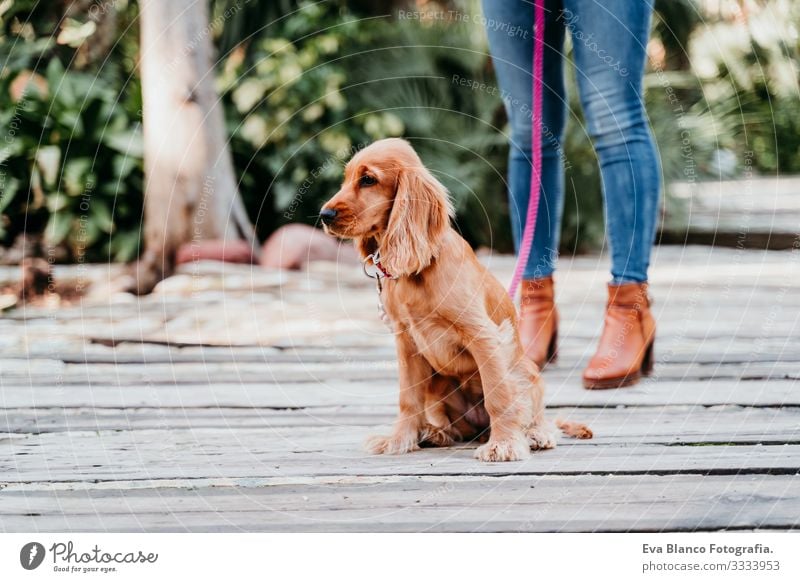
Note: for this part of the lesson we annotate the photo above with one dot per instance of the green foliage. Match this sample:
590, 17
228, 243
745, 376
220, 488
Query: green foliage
435, 76
407, 68
71, 157
305, 84
291, 124
752, 80
326, 83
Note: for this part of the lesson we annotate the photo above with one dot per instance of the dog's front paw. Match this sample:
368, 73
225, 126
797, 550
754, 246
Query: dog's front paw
392, 445
513, 449
540, 439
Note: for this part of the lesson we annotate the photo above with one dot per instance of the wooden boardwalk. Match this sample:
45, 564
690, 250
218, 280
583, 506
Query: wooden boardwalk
754, 211
238, 400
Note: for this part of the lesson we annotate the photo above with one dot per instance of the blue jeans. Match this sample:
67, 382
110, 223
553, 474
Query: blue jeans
609, 39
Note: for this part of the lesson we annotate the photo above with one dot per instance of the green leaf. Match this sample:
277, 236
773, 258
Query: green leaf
63, 90
57, 202
9, 150
129, 142
101, 215
48, 158
74, 33
123, 165
248, 93
86, 237
76, 174
58, 227
54, 73
7, 195
71, 120
126, 245
255, 130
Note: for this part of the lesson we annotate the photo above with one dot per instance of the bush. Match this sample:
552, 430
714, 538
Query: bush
746, 78
71, 160
326, 83
320, 81
291, 121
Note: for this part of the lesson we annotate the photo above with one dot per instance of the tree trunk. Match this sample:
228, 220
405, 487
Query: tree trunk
190, 187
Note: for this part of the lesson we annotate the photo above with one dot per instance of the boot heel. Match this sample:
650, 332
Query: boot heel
648, 360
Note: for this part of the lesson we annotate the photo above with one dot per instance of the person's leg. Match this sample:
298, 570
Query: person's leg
610, 40
509, 25
512, 54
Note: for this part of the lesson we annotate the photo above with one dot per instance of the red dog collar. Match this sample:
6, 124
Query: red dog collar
380, 272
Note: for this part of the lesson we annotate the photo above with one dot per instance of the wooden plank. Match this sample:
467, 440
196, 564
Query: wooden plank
513, 503
231, 394
145, 436
701, 324
236, 452
673, 336
727, 207
706, 298
348, 367
16, 372
572, 349
637, 425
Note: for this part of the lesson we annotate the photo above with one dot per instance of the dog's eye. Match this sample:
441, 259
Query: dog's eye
367, 180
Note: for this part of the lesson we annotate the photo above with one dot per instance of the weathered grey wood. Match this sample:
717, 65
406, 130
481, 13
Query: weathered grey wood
636, 425
283, 452
728, 207
114, 416
26, 372
559, 392
572, 349
515, 503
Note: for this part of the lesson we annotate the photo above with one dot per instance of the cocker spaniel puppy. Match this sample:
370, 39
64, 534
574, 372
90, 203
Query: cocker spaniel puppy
462, 369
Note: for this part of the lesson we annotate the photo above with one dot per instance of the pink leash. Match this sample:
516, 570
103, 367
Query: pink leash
536, 166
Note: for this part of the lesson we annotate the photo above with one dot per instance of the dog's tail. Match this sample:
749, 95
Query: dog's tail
575, 430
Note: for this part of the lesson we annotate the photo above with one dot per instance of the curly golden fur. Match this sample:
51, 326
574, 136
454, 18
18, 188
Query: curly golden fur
463, 373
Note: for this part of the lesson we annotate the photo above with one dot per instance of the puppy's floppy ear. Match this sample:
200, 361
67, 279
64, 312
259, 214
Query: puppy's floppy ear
420, 214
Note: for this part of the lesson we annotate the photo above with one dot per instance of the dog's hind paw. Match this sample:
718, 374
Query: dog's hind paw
392, 445
439, 437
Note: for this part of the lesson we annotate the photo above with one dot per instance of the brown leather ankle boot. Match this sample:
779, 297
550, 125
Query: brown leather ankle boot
625, 352
538, 326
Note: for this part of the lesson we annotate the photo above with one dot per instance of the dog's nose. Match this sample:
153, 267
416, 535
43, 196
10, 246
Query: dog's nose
328, 215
